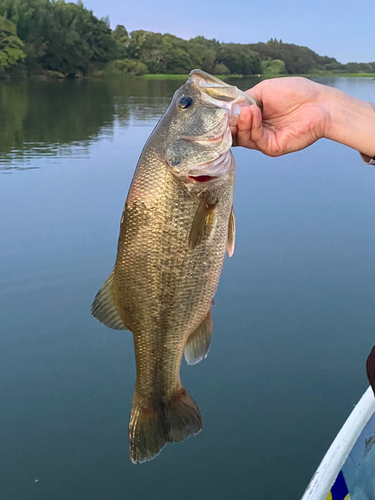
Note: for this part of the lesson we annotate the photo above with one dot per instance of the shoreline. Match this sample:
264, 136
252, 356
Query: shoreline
166, 76
182, 77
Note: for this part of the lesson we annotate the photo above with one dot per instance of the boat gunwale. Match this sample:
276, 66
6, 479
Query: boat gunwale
329, 468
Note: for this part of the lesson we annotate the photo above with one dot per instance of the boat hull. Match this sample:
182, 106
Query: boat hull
347, 471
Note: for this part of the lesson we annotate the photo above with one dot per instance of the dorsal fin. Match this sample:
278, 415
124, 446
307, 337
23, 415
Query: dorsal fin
231, 233
105, 308
198, 343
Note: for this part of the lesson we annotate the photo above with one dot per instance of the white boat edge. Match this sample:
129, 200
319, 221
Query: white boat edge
329, 468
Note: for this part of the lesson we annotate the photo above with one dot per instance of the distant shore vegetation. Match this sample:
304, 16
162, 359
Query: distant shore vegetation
57, 39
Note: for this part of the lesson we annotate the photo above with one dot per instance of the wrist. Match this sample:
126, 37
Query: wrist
351, 121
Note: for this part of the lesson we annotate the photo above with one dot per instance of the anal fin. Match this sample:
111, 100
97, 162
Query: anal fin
105, 307
198, 344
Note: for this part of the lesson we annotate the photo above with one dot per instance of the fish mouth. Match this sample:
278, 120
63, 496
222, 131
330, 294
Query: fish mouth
215, 141
202, 178
210, 171
219, 138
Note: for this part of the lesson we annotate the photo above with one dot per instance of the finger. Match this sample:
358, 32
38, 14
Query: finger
243, 127
256, 130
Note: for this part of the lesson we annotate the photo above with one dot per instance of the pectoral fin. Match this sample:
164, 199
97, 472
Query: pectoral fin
198, 344
105, 307
203, 222
231, 233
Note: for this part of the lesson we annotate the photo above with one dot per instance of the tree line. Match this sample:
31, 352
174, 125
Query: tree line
66, 39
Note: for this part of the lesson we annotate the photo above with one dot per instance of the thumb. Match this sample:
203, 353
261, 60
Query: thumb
256, 92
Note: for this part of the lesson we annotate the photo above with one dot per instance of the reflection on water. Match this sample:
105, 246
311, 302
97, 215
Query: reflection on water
42, 118
56, 119
61, 118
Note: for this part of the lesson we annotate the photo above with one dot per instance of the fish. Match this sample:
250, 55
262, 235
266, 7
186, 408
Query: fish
176, 227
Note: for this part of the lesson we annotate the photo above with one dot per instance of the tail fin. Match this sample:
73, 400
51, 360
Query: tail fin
152, 427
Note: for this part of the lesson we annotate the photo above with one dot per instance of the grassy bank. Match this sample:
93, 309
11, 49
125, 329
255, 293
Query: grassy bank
162, 76
360, 75
347, 75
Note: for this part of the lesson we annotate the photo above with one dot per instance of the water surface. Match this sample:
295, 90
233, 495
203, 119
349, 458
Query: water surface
293, 321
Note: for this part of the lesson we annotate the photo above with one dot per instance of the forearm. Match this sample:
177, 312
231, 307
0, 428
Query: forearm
351, 121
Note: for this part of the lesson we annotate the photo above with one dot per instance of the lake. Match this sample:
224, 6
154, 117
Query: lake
294, 315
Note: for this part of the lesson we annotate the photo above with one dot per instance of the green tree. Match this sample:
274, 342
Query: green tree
136, 42
11, 47
76, 38
297, 59
127, 66
67, 38
121, 38
120, 32
221, 69
334, 66
59, 36
161, 53
273, 67
31, 18
239, 59
353, 67
203, 53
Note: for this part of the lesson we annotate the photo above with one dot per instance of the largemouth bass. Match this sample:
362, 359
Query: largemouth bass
176, 227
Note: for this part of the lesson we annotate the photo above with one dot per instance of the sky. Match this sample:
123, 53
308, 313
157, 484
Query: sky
337, 28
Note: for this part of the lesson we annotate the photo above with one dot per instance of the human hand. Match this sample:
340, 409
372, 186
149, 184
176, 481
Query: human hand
294, 116
297, 112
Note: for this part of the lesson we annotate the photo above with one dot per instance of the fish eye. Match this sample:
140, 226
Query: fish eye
185, 102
